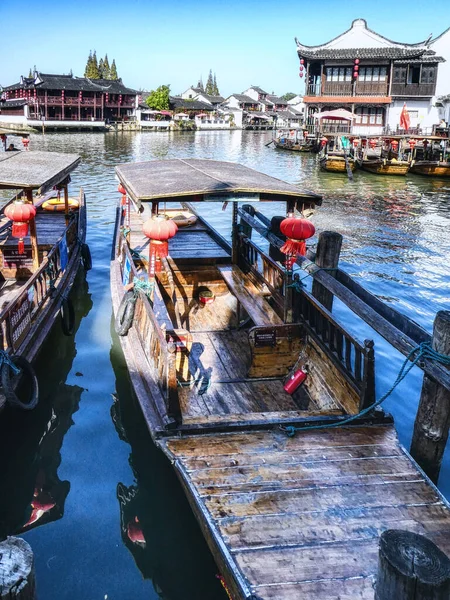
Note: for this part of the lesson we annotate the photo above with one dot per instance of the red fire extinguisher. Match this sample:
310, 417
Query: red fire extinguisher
295, 380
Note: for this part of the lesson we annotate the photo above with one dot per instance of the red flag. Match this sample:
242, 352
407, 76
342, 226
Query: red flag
404, 118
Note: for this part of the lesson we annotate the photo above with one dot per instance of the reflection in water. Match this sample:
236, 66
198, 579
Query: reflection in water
32, 493
155, 520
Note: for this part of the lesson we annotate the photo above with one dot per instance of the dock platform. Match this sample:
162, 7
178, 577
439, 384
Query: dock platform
300, 517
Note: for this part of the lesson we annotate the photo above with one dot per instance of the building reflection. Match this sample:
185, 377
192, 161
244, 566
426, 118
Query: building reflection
32, 494
157, 525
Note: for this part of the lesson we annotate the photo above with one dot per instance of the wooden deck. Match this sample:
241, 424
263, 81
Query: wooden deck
290, 518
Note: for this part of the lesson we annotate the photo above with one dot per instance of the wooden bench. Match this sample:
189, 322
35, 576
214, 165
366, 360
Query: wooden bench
248, 294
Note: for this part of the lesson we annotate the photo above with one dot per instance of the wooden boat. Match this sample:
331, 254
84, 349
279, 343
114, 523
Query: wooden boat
294, 146
284, 517
336, 163
431, 168
384, 166
37, 272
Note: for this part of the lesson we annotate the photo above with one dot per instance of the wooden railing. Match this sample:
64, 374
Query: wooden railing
413, 89
162, 362
331, 88
371, 88
17, 318
264, 269
353, 358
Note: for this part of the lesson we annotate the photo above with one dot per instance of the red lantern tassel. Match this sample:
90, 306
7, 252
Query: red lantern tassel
294, 247
21, 246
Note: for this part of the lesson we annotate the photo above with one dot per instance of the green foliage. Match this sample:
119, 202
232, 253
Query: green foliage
288, 96
30, 74
159, 98
88, 64
215, 87
101, 69
91, 71
113, 71
209, 88
200, 84
106, 68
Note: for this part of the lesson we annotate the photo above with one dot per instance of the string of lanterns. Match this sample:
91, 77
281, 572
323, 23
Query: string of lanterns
302, 66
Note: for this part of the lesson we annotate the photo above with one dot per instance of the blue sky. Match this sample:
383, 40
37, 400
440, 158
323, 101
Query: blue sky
175, 42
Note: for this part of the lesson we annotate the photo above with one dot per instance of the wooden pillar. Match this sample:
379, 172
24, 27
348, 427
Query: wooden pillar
33, 235
66, 204
234, 234
17, 574
245, 227
433, 415
327, 257
411, 567
46, 105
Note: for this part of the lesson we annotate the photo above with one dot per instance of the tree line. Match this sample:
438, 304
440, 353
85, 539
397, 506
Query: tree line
100, 69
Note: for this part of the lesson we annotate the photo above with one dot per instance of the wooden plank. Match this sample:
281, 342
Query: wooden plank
359, 588
245, 419
233, 347
342, 497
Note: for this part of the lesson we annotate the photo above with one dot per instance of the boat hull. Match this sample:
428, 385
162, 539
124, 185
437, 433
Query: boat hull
294, 147
432, 169
381, 167
336, 164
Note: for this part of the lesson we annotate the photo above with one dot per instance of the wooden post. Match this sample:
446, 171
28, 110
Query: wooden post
327, 257
66, 203
245, 227
234, 234
433, 415
411, 567
33, 235
17, 575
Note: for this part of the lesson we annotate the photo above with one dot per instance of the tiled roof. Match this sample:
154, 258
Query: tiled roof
276, 100
13, 103
370, 53
177, 102
257, 89
73, 84
212, 99
425, 58
244, 98
266, 102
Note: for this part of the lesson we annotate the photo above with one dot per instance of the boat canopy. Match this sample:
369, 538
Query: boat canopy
35, 170
339, 114
204, 180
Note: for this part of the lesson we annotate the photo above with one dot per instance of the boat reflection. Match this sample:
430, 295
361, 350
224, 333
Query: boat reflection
157, 525
31, 491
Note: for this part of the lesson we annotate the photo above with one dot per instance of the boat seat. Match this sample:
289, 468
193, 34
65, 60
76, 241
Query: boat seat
251, 298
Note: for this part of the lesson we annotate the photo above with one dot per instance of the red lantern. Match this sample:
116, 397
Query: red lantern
372, 143
356, 68
26, 143
323, 142
356, 61
412, 143
355, 143
20, 214
301, 68
394, 144
355, 74
159, 230
296, 231
302, 61
301, 74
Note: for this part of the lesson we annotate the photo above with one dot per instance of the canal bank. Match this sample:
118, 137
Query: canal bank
395, 242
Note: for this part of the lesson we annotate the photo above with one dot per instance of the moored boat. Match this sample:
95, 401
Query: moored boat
40, 253
337, 163
384, 166
228, 354
431, 168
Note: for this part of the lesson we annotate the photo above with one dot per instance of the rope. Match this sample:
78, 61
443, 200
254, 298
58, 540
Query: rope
141, 285
298, 284
423, 350
126, 231
6, 360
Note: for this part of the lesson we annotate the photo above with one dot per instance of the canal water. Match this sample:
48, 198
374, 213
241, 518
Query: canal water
110, 519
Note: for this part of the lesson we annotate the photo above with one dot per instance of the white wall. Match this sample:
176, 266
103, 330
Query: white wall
442, 48
427, 113
20, 119
189, 93
251, 93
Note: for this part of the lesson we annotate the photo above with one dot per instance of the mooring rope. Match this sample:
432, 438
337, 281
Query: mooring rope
423, 350
5, 359
142, 285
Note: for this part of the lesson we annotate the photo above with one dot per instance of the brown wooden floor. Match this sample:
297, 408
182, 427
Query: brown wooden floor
301, 517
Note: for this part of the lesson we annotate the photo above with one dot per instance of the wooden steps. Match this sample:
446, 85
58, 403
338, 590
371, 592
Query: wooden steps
290, 518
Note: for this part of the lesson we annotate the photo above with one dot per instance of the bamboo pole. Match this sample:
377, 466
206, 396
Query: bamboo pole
33, 235
433, 415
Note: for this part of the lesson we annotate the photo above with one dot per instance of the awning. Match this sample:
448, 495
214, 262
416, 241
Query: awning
181, 115
335, 115
201, 115
166, 113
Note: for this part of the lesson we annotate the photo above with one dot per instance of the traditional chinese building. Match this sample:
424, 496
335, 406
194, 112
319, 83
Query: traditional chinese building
66, 101
372, 77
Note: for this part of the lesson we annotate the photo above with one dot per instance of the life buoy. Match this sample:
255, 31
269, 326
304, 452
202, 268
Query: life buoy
125, 313
56, 205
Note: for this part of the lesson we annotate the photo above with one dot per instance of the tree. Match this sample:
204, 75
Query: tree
158, 99
288, 96
200, 84
87, 68
209, 89
216, 89
94, 67
30, 74
101, 69
113, 72
106, 68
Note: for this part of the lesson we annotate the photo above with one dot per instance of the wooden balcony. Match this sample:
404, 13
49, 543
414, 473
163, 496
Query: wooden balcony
413, 89
337, 88
348, 88
371, 88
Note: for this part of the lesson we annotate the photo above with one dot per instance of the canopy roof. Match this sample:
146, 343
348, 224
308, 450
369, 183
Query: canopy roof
203, 180
35, 170
339, 114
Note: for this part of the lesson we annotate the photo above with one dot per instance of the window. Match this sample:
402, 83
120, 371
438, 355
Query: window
399, 75
413, 74
339, 74
348, 74
365, 115
383, 73
335, 76
428, 74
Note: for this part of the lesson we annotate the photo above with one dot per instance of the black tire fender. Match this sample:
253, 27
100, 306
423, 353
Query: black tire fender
67, 313
125, 313
9, 378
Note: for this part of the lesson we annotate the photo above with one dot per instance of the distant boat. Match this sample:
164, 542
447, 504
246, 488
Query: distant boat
384, 166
